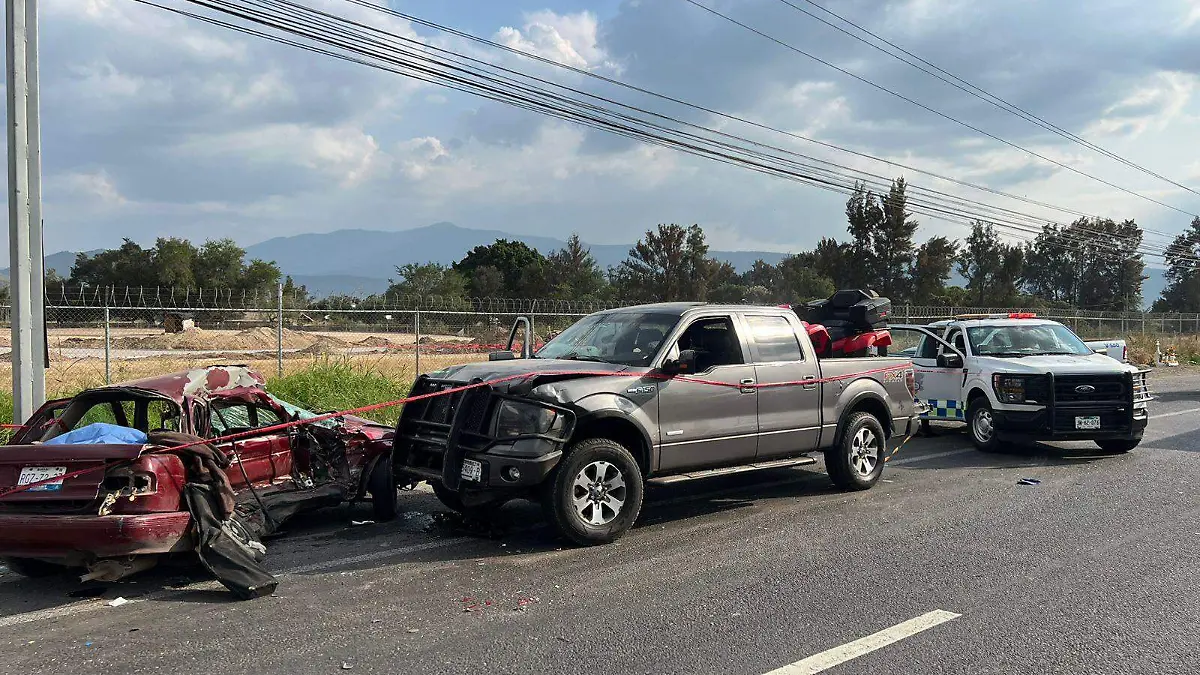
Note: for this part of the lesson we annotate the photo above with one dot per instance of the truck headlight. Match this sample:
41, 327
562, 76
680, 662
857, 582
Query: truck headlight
1012, 388
521, 419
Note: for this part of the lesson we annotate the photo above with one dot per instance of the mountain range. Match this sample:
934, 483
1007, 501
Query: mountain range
362, 261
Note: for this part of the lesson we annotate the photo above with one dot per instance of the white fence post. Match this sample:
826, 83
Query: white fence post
279, 332
107, 346
417, 339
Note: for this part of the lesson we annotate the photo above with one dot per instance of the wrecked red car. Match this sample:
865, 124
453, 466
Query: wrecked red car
123, 518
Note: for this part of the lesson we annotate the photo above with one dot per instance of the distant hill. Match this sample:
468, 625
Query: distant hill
60, 262
341, 261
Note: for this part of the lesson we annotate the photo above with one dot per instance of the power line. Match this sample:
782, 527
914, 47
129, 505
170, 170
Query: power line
937, 212
587, 114
965, 86
935, 111
724, 115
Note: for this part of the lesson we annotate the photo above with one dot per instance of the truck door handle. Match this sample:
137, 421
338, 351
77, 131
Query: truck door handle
810, 386
748, 385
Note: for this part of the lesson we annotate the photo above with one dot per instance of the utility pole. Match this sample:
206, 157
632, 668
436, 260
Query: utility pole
24, 208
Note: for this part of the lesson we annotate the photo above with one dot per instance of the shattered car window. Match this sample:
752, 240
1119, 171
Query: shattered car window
301, 413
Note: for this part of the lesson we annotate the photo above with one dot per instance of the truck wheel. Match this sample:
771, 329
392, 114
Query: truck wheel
981, 424
382, 486
32, 567
595, 494
1118, 444
446, 496
856, 463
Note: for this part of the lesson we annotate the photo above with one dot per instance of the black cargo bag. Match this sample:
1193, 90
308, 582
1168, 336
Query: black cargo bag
226, 547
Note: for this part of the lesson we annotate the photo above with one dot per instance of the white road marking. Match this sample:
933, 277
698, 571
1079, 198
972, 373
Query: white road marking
1189, 411
852, 650
936, 455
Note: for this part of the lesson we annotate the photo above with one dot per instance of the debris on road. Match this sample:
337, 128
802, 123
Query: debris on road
1029, 481
118, 602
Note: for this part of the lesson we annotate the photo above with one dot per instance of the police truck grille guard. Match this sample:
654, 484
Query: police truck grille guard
1111, 398
433, 435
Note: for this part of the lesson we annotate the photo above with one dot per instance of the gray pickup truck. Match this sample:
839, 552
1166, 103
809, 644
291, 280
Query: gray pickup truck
654, 393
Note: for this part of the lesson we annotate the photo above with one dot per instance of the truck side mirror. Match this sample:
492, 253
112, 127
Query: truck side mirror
682, 364
949, 360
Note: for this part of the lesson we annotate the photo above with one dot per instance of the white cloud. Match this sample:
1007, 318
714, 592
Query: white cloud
570, 39
345, 153
1151, 105
96, 187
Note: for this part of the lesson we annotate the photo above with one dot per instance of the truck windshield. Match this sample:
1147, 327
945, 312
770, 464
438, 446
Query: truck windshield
1025, 340
626, 338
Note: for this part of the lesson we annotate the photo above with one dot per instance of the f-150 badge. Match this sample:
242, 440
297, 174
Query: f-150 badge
644, 389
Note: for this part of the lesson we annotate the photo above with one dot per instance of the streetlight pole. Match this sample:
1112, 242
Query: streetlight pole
24, 206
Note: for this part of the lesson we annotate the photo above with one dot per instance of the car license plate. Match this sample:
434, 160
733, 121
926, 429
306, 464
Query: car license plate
36, 474
1089, 423
472, 470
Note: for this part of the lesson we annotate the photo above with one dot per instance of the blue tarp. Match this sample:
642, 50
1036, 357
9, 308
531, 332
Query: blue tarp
100, 434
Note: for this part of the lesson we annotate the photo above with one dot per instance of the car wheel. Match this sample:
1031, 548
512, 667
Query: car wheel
32, 567
981, 424
1118, 444
856, 463
382, 486
595, 494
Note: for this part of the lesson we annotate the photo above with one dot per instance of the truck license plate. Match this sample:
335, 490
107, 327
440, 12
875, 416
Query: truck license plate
472, 470
1089, 423
35, 474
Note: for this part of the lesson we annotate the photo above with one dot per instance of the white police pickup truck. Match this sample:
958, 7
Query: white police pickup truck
1017, 378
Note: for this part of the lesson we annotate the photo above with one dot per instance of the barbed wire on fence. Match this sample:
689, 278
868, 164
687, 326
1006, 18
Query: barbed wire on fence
165, 299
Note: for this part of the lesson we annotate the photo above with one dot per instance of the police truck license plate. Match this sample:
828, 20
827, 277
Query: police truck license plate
36, 474
472, 470
1089, 423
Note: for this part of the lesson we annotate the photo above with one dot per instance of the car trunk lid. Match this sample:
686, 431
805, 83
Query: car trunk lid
43, 461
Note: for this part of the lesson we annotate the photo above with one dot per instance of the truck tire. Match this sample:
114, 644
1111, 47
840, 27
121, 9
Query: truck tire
856, 462
33, 568
382, 486
446, 496
1118, 445
981, 424
595, 494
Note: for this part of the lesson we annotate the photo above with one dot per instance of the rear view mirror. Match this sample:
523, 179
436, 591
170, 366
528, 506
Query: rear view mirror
682, 364
949, 361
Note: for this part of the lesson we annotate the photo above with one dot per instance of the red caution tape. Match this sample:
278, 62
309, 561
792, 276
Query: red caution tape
447, 392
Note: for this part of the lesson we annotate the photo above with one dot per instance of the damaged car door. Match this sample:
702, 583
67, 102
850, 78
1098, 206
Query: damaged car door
261, 459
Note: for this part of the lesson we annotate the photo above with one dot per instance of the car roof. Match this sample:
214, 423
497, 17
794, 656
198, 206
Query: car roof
682, 308
987, 323
209, 381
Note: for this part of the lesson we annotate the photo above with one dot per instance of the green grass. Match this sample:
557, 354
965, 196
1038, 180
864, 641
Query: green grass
340, 384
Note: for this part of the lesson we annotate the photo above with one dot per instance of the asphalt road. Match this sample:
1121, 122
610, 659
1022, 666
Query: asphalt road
1093, 570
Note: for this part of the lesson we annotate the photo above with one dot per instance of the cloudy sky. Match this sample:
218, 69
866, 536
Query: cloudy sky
155, 124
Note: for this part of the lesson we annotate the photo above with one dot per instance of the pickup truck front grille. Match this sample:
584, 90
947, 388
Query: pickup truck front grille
1071, 389
423, 434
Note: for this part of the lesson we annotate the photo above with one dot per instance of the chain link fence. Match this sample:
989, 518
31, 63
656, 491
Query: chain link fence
100, 336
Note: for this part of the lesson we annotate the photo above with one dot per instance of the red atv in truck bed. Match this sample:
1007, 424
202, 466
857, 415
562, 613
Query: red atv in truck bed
848, 323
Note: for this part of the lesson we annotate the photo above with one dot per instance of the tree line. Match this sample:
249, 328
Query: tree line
1092, 263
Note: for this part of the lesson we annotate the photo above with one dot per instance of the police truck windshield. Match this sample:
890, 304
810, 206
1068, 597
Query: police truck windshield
1025, 340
